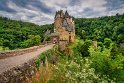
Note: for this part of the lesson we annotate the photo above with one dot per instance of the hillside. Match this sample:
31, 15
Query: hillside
81, 62
111, 27
17, 34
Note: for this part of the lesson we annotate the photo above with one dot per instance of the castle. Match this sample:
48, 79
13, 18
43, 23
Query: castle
64, 26
64, 29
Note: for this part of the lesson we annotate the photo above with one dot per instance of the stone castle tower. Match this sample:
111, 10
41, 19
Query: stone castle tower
64, 26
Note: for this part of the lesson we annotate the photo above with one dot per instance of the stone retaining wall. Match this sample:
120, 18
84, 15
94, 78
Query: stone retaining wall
11, 53
19, 74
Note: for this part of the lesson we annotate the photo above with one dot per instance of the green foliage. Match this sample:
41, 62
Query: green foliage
14, 33
108, 58
76, 70
33, 40
107, 63
42, 58
111, 27
104, 64
3, 48
83, 48
83, 35
37, 61
107, 42
100, 44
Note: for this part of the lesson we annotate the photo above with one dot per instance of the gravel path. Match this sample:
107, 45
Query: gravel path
10, 62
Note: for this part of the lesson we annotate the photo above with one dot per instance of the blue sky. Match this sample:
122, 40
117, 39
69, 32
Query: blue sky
43, 11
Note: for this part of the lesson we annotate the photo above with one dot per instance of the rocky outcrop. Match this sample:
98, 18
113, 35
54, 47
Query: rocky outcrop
19, 74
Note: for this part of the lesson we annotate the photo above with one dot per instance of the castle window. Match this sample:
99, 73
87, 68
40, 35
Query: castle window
65, 23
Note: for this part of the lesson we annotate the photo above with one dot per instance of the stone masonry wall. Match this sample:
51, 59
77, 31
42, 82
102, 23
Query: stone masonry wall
11, 53
19, 74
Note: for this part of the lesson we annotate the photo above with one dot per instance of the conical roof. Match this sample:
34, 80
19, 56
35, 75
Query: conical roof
66, 14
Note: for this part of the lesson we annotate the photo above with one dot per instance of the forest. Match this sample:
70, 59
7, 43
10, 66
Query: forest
17, 34
105, 30
111, 27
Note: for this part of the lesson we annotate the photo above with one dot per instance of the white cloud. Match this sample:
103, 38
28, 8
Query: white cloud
113, 12
77, 8
38, 17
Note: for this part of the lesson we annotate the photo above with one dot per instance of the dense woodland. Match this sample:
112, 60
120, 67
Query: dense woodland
17, 34
111, 27
107, 31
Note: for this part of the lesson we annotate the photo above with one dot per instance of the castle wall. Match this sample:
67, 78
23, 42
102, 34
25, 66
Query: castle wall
19, 74
58, 23
72, 37
68, 20
63, 34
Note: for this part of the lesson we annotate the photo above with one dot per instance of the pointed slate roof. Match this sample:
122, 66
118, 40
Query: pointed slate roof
66, 14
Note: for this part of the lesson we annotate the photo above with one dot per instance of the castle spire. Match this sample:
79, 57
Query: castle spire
66, 14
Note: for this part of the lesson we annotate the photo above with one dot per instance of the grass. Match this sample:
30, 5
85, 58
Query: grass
44, 74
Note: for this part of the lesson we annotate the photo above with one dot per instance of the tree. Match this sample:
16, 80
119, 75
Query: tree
84, 48
83, 34
107, 42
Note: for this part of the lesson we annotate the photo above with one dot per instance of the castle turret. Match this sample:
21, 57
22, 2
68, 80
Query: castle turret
59, 14
66, 14
64, 25
58, 19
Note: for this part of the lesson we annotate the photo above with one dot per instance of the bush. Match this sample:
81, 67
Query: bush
76, 70
84, 48
104, 64
107, 42
3, 48
42, 58
32, 40
37, 61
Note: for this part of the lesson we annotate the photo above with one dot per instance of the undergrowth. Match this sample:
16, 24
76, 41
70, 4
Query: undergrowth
74, 67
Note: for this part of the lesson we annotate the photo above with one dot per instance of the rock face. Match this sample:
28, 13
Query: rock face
19, 74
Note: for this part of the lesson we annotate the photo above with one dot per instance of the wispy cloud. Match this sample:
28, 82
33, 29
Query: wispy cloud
43, 11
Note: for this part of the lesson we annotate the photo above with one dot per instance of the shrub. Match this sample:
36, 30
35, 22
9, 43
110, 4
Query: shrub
84, 48
105, 65
42, 58
3, 48
31, 41
76, 70
107, 42
37, 61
